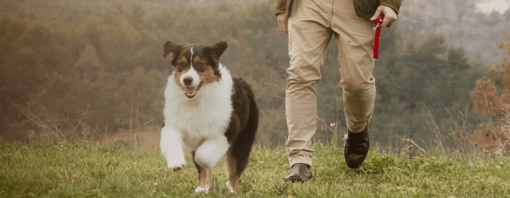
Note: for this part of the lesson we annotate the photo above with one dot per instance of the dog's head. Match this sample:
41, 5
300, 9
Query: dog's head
195, 65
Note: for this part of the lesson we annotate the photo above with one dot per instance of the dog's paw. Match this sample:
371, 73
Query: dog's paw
176, 166
230, 188
175, 160
200, 189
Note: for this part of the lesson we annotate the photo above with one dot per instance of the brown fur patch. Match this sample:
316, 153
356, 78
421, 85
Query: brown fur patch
208, 75
231, 166
206, 72
205, 177
178, 71
197, 60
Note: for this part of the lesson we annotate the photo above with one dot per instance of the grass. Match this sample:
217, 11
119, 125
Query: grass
85, 170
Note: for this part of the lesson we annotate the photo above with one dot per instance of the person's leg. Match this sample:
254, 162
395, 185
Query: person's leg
354, 39
309, 36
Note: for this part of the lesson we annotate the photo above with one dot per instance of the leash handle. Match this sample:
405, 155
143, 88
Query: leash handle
377, 29
379, 20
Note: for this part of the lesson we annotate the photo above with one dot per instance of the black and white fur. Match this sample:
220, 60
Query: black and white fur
207, 113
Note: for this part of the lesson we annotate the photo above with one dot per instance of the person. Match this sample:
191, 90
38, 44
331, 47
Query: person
310, 24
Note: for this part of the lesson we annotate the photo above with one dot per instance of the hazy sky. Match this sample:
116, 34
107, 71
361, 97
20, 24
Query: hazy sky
497, 5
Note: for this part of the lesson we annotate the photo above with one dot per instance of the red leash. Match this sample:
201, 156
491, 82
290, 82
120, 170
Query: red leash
377, 30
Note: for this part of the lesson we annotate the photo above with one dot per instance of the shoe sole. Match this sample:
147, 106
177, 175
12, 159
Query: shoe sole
297, 179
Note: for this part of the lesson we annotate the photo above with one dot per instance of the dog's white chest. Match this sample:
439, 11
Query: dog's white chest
206, 116
191, 143
204, 122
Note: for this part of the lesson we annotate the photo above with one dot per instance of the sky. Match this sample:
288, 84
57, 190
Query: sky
497, 5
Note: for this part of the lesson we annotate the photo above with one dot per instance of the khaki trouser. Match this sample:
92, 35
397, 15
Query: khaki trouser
311, 25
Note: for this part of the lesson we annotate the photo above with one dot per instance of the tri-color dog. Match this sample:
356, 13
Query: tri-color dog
207, 113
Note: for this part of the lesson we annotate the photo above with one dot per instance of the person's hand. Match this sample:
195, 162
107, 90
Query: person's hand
390, 15
282, 23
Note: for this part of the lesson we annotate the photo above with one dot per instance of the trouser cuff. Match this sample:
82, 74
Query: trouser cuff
300, 159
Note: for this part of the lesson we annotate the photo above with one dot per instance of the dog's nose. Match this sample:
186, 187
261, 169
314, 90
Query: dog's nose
188, 81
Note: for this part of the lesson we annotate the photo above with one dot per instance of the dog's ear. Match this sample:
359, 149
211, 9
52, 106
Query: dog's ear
218, 49
171, 47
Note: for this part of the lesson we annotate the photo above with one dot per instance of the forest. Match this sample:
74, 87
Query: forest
91, 68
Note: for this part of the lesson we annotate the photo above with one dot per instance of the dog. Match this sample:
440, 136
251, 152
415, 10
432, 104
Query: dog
207, 113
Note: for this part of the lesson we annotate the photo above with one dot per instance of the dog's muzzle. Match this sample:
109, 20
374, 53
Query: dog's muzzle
193, 93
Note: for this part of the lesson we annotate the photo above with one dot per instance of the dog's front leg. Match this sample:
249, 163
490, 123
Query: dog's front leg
171, 147
210, 151
206, 156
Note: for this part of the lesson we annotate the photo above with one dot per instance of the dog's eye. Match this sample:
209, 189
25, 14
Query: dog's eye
181, 64
200, 65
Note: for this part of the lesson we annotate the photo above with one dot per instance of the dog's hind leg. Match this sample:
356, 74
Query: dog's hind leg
233, 177
240, 149
237, 160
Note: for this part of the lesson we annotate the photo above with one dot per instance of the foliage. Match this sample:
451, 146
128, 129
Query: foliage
63, 59
84, 170
492, 98
96, 67
459, 21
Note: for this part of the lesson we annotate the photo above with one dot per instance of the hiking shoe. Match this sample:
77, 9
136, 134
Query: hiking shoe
356, 148
299, 173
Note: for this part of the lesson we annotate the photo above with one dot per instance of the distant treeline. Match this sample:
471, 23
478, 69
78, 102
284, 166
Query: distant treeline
71, 68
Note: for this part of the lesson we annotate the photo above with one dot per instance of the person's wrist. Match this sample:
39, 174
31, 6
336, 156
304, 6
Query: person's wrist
394, 10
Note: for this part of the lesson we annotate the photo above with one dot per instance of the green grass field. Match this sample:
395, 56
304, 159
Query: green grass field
84, 170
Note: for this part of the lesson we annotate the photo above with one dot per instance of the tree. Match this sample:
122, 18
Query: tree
492, 98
